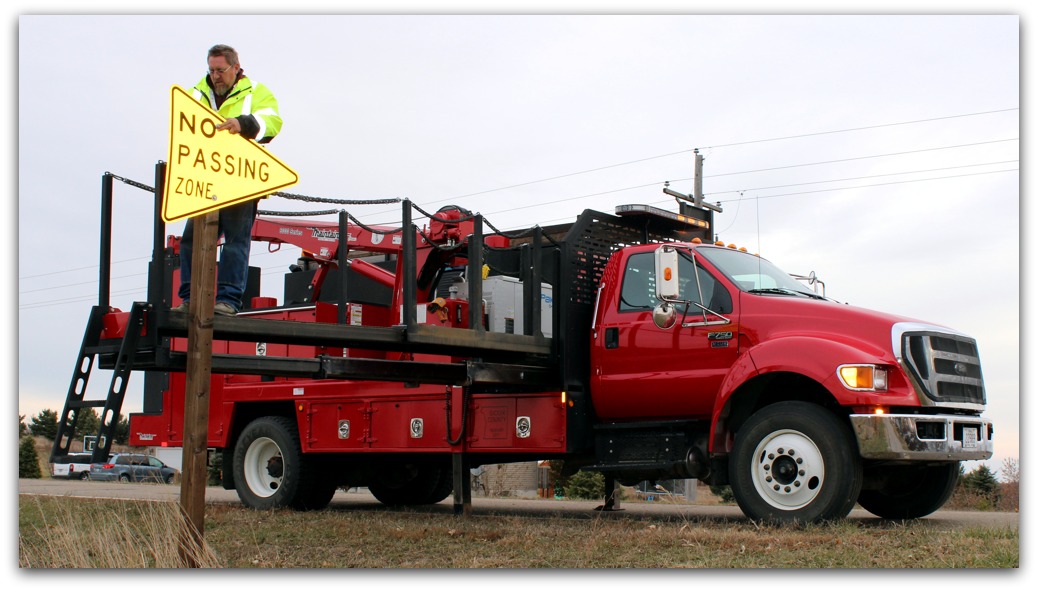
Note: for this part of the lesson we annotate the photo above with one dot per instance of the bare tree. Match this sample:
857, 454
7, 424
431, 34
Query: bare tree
1010, 484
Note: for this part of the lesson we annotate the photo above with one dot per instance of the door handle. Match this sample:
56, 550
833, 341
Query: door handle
612, 338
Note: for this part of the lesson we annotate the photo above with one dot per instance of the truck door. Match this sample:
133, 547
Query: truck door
642, 371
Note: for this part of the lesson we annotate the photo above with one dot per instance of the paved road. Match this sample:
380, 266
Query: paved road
361, 500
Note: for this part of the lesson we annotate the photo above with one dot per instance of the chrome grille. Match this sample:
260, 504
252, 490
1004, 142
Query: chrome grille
945, 366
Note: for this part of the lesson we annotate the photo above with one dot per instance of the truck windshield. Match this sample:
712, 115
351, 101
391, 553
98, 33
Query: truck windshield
754, 274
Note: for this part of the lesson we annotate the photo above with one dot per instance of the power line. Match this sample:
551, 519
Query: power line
818, 191
600, 168
790, 137
954, 176
862, 158
858, 178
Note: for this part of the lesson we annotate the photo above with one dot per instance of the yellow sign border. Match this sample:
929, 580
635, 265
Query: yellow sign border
223, 202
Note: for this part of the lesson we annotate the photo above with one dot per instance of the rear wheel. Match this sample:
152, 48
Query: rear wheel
795, 461
84, 475
124, 478
909, 492
271, 471
412, 482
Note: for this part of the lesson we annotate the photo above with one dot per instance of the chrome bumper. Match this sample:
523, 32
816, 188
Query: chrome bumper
921, 437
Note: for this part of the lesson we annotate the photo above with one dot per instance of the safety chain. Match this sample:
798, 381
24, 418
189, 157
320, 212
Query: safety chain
439, 219
131, 183
373, 230
337, 201
311, 199
294, 196
297, 213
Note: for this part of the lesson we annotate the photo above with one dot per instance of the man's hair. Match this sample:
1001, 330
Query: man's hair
226, 51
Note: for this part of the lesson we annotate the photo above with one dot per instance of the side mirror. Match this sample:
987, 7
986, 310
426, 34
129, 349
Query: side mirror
664, 315
668, 285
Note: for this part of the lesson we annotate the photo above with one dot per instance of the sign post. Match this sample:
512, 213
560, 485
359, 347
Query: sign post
207, 171
194, 475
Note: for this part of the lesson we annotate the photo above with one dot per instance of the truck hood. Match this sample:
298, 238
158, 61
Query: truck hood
768, 317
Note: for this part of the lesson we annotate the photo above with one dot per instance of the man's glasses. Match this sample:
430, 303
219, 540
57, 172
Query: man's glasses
212, 71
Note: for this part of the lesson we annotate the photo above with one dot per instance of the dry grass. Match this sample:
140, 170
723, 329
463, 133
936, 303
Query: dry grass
81, 533
65, 533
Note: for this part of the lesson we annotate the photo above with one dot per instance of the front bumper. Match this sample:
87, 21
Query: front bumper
923, 437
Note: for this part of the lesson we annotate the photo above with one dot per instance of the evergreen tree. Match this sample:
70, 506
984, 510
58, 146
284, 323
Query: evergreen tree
28, 461
122, 431
45, 424
586, 485
22, 429
88, 423
982, 481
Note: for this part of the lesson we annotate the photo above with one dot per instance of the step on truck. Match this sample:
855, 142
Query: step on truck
628, 343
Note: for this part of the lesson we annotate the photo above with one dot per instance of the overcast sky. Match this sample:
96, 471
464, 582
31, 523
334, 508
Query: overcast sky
881, 152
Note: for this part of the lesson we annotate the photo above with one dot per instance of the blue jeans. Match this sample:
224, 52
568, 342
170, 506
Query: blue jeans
232, 272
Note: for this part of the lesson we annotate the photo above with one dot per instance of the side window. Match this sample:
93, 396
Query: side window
638, 292
154, 462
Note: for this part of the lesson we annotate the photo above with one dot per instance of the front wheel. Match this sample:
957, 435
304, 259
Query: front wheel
795, 462
909, 492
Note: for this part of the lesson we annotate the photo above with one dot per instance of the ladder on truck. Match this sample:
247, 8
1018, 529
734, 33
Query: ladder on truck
90, 348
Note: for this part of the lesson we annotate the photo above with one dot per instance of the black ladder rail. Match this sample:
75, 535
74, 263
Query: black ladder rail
120, 380
112, 404
77, 388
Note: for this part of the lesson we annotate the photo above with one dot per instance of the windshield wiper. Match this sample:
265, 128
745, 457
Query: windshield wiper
786, 291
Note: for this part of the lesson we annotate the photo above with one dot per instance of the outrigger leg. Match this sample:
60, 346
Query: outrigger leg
612, 496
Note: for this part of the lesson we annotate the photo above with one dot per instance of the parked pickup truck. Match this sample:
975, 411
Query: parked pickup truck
73, 466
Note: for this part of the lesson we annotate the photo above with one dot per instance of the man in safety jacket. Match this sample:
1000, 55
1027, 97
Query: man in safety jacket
251, 110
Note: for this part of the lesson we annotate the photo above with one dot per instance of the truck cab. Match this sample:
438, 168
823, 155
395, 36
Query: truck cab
723, 346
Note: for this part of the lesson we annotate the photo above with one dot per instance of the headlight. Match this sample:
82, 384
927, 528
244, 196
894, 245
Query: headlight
863, 377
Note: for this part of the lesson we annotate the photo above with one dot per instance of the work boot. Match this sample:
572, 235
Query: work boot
183, 307
224, 309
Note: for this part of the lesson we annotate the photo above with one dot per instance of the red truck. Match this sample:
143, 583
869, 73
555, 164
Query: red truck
634, 346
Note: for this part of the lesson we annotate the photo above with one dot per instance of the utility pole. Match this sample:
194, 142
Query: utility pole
693, 205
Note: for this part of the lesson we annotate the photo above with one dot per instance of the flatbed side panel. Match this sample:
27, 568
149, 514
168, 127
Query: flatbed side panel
499, 423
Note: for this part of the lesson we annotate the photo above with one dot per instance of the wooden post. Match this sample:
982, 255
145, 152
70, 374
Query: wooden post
194, 475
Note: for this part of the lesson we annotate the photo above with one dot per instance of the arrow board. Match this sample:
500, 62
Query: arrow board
210, 169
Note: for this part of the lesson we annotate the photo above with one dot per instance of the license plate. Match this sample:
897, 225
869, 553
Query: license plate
969, 438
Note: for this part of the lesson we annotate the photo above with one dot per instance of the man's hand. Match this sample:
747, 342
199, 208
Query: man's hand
231, 125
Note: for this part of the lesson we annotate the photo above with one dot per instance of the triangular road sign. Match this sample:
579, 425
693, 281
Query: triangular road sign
210, 169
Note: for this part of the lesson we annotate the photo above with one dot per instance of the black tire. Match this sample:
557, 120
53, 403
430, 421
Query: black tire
412, 482
124, 478
910, 492
169, 478
269, 467
84, 475
795, 462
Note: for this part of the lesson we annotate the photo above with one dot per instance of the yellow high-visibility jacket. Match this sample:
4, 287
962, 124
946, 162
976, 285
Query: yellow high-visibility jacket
251, 103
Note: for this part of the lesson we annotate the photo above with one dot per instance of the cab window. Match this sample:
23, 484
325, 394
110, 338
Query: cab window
638, 292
